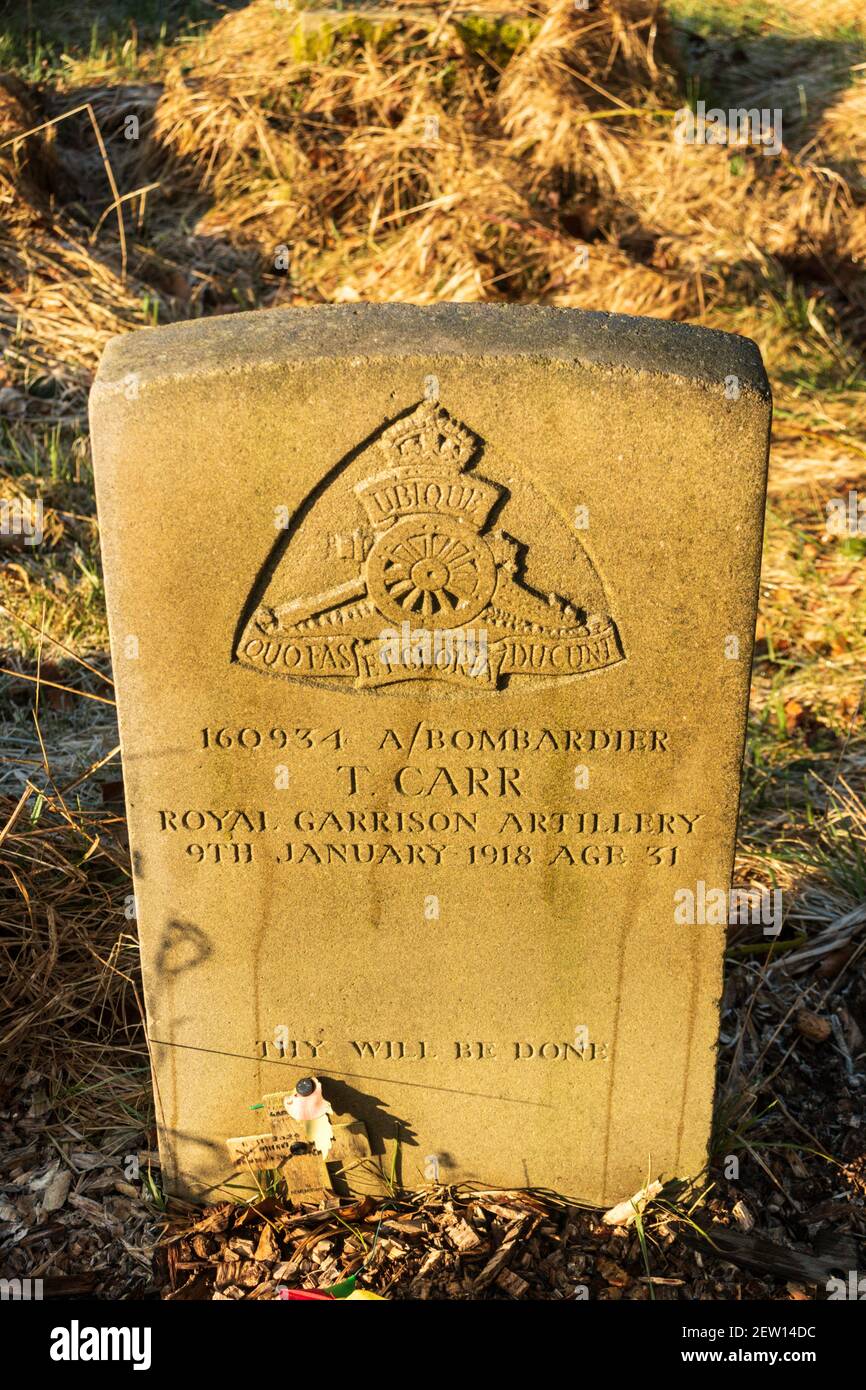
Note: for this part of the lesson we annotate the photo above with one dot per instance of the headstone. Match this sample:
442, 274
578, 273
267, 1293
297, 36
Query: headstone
431, 630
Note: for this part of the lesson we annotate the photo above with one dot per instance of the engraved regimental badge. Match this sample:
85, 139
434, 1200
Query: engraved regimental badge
431, 589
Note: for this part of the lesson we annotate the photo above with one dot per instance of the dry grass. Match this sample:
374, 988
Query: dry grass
441, 155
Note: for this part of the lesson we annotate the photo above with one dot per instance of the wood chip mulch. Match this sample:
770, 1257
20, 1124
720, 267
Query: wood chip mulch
465, 1244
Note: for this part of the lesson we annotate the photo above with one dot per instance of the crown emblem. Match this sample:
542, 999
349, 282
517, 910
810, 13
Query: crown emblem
428, 438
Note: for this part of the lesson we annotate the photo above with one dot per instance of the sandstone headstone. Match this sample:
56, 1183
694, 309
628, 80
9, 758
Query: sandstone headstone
431, 630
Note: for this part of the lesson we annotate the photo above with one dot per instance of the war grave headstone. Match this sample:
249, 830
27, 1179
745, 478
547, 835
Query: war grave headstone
431, 631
